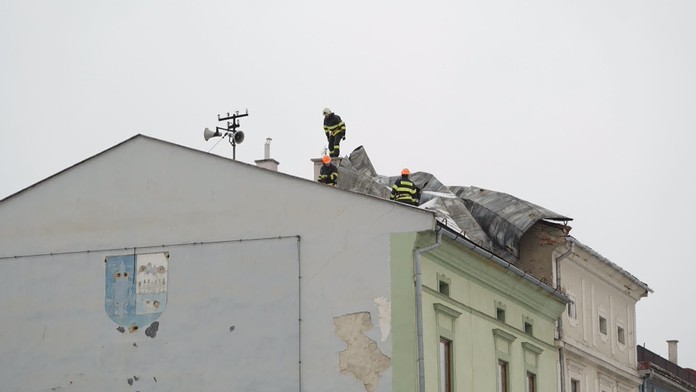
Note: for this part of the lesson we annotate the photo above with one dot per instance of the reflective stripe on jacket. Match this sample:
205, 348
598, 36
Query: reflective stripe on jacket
333, 124
405, 191
328, 174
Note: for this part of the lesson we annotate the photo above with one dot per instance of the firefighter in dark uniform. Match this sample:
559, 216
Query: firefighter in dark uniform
335, 130
404, 190
329, 173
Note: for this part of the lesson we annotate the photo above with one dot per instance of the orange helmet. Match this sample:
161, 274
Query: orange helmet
405, 172
326, 159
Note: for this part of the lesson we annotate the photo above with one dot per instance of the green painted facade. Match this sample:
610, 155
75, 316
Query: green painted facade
403, 318
465, 310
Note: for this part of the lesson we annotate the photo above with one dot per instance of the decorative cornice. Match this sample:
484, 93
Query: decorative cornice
446, 310
502, 334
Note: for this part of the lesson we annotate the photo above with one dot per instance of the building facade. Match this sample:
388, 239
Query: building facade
490, 325
151, 266
597, 333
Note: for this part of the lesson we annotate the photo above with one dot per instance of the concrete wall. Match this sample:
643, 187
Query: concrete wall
237, 237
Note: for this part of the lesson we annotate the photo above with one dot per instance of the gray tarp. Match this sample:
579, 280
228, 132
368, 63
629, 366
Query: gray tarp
493, 220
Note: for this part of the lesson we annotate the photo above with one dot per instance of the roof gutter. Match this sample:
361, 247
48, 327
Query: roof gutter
460, 239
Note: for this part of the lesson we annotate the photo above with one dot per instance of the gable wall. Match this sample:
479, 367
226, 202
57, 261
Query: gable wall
271, 229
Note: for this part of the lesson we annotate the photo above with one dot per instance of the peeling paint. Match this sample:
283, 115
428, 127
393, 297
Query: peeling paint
362, 357
151, 331
384, 309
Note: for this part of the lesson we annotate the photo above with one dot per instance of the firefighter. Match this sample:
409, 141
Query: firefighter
329, 173
335, 130
404, 190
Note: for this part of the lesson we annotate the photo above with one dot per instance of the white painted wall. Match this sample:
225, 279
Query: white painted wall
55, 333
594, 358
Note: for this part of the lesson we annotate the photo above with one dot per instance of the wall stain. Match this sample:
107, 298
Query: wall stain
151, 331
362, 357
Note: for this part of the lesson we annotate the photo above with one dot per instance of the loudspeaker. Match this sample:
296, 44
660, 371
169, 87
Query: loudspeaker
238, 137
207, 134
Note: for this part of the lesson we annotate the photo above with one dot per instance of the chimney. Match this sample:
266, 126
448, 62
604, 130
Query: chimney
672, 351
267, 162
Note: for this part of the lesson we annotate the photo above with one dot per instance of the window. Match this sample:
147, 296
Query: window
528, 328
443, 284
602, 325
443, 287
500, 314
572, 311
502, 376
500, 309
531, 382
445, 365
620, 335
574, 385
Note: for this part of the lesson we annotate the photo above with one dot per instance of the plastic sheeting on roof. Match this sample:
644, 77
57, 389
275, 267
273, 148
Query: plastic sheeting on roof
505, 218
493, 220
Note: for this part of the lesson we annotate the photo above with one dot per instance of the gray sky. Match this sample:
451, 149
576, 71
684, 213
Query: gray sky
587, 108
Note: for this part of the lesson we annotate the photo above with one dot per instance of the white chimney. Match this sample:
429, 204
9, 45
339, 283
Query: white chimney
267, 162
672, 351
267, 149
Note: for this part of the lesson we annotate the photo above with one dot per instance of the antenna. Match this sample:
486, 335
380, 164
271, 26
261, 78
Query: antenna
234, 136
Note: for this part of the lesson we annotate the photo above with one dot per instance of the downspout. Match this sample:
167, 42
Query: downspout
419, 305
644, 380
561, 352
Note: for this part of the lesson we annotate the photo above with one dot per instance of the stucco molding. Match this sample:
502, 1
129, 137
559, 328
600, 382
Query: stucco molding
502, 334
447, 310
478, 313
493, 278
532, 348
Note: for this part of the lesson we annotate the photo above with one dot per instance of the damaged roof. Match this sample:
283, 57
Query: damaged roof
492, 220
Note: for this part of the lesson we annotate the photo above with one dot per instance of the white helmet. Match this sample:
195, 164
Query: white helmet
326, 111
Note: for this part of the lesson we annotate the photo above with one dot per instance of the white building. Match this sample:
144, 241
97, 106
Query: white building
597, 344
151, 266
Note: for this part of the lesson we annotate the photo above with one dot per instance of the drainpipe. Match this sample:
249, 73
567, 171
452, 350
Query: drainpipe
561, 353
419, 305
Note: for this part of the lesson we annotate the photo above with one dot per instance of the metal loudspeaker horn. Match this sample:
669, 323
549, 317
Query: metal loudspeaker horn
238, 137
207, 134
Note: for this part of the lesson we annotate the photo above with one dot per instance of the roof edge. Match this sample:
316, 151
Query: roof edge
12, 195
460, 238
613, 265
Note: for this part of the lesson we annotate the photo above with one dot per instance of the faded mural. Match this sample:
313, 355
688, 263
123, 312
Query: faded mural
136, 289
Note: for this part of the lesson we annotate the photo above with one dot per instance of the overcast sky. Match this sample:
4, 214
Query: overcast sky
587, 108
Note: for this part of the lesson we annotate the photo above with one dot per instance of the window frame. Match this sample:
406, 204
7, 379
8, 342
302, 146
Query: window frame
620, 335
603, 327
531, 384
445, 369
503, 376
